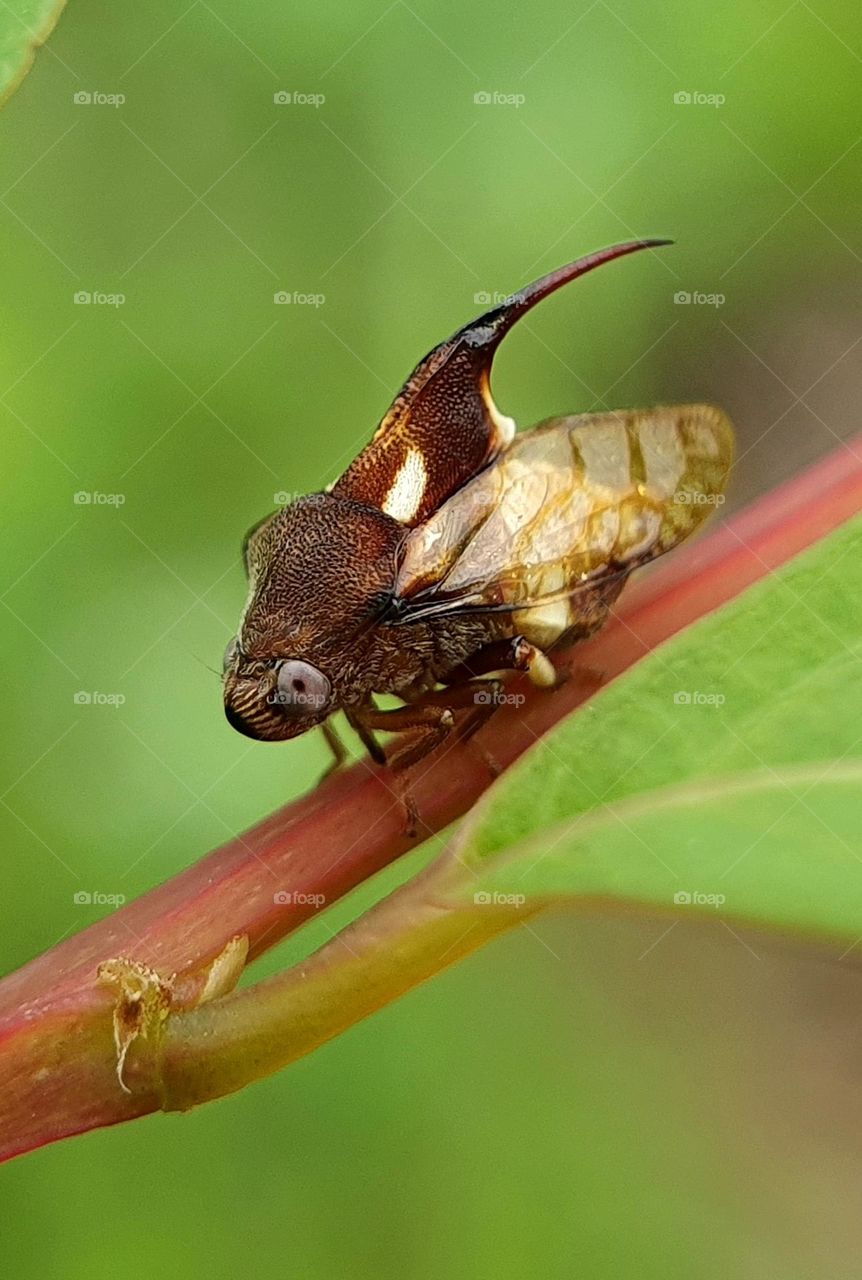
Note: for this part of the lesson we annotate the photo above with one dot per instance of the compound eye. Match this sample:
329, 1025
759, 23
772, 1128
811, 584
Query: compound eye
302, 688
230, 654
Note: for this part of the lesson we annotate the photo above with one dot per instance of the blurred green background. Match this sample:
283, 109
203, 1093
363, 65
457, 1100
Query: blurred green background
591, 1097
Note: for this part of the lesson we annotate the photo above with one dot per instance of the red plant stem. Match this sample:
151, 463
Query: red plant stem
352, 825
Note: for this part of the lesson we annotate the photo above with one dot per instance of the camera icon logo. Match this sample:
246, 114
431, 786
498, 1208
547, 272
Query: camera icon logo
682, 698
482, 98
282, 898
682, 899
682, 98
482, 898
82, 298
682, 298
82, 898
82, 698
82, 498
82, 98
281, 98
281, 299
482, 298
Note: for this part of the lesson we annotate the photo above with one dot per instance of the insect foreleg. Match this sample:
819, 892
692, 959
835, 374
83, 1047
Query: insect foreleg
366, 737
336, 746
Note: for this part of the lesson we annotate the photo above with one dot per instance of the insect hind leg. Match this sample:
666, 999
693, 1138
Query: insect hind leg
517, 654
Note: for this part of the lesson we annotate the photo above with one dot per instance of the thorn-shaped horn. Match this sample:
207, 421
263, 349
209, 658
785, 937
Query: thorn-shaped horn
443, 425
489, 330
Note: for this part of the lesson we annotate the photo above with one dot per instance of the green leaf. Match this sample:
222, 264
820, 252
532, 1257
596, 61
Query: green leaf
726, 766
776, 848
24, 26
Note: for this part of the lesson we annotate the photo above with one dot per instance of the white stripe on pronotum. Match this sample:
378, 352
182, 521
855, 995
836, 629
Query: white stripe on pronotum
408, 488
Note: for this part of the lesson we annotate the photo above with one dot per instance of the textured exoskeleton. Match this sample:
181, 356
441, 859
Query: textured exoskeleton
452, 548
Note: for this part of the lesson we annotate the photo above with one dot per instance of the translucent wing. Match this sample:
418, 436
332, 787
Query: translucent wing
569, 506
443, 425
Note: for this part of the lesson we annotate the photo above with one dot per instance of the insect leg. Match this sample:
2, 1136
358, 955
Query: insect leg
366, 737
431, 720
420, 744
336, 746
535, 662
475, 699
516, 654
